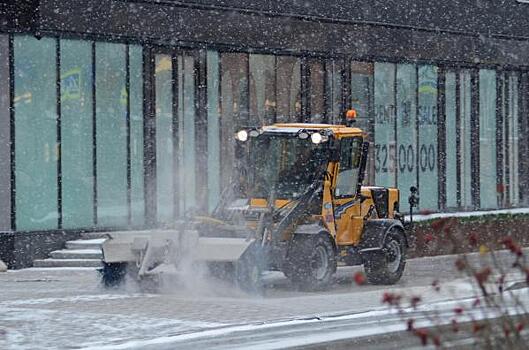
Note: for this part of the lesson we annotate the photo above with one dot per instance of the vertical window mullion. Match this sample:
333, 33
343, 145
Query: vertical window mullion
459, 163
506, 134
128, 137
417, 129
275, 90
474, 137
94, 130
12, 130
395, 127
441, 136
58, 145
499, 137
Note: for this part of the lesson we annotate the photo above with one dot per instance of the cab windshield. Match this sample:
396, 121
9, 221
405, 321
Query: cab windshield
286, 164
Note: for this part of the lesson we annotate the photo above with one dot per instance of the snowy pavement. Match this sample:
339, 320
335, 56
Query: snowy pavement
68, 309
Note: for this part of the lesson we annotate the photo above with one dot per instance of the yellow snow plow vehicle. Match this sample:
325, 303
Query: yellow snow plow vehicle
300, 208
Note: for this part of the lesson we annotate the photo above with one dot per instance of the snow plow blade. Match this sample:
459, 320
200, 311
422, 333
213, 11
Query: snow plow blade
151, 250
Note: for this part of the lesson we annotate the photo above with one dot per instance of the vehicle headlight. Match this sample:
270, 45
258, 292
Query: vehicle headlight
242, 135
316, 138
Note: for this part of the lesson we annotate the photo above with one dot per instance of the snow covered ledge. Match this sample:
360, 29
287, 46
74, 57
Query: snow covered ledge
467, 214
3, 266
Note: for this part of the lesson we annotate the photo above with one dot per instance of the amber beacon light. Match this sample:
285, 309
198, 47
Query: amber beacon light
350, 116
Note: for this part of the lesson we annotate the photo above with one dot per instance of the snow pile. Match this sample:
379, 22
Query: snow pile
467, 214
3, 266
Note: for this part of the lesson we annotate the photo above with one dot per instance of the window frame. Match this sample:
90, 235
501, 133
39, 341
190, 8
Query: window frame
352, 140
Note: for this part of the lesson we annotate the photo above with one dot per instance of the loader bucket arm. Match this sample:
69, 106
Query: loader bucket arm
300, 208
297, 210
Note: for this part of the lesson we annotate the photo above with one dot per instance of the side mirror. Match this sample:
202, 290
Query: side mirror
413, 199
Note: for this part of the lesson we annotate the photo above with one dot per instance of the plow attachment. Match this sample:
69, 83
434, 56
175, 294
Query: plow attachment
151, 254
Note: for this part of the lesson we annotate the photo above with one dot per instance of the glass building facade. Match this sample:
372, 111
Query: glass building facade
79, 125
78, 121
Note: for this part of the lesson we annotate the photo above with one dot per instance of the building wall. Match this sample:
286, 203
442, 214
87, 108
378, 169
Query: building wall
121, 113
485, 32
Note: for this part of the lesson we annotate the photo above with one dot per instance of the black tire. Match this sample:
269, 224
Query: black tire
387, 265
113, 274
249, 269
311, 262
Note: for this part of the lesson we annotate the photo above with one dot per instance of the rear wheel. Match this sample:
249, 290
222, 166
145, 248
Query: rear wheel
387, 265
311, 262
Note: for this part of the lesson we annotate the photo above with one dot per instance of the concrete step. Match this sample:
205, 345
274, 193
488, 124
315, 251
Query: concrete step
67, 263
77, 254
85, 243
94, 235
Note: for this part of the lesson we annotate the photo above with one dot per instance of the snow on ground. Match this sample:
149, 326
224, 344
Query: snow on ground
47, 328
302, 332
67, 308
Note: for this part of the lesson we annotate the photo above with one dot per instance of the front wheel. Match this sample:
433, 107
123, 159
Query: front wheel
113, 274
387, 265
311, 262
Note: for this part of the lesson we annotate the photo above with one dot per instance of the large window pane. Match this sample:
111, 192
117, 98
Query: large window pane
334, 87
262, 90
36, 150
487, 138
234, 92
385, 147
451, 140
288, 89
175, 136
316, 91
76, 134
165, 157
136, 136
427, 147
362, 102
111, 134
213, 129
186, 133
406, 127
465, 104
362, 92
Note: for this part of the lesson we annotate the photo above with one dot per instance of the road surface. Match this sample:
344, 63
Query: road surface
67, 308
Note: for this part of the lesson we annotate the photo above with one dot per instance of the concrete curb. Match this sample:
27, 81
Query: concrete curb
3, 266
